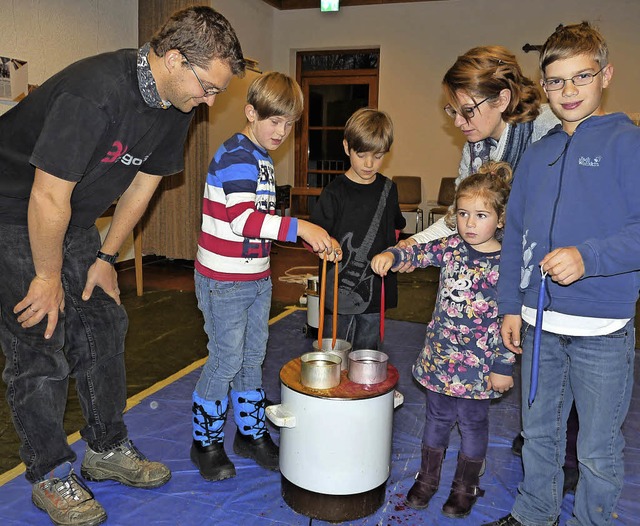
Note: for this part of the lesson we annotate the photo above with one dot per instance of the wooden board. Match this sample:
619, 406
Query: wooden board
290, 376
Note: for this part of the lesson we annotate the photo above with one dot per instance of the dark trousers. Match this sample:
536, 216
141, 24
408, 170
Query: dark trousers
87, 344
571, 455
362, 331
472, 417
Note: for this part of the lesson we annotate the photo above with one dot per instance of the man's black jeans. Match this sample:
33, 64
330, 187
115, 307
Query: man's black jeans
88, 344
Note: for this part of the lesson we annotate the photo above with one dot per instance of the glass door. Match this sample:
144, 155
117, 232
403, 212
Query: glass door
330, 105
331, 97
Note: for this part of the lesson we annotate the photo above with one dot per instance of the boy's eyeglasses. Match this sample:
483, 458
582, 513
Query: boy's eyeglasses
208, 92
581, 79
467, 111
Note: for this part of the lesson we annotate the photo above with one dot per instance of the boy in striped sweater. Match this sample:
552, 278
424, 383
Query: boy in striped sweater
232, 275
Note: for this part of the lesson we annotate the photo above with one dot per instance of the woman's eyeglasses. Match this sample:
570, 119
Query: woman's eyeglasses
467, 111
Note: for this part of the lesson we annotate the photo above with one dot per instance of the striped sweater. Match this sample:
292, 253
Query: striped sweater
238, 214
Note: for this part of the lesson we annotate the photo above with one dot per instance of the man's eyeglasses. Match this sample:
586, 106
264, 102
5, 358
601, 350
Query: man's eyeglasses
467, 111
581, 79
208, 92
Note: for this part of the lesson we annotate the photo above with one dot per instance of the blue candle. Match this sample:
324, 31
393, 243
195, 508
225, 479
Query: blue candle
535, 358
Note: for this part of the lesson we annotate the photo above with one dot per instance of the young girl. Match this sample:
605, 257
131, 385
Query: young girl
463, 364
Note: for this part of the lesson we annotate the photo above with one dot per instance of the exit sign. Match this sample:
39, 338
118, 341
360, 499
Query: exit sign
329, 5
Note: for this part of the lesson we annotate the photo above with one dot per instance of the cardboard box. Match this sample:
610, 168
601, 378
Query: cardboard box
13, 78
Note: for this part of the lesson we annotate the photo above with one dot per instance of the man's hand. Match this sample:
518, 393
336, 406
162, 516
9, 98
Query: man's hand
104, 276
404, 243
499, 382
44, 298
510, 331
564, 265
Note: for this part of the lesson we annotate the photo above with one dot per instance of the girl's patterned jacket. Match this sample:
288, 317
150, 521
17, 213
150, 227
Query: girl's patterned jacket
463, 343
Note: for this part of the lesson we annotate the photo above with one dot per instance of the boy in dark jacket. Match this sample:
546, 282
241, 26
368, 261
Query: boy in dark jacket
573, 228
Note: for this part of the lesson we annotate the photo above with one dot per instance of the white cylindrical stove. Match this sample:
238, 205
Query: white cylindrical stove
335, 444
313, 312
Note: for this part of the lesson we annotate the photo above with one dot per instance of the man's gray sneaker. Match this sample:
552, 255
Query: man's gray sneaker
125, 464
67, 501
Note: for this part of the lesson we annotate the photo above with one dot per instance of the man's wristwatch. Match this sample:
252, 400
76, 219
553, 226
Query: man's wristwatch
111, 259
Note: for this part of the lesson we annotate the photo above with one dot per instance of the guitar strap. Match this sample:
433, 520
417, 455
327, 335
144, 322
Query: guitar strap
375, 223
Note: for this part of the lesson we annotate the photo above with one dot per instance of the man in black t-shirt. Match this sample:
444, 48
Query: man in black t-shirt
107, 127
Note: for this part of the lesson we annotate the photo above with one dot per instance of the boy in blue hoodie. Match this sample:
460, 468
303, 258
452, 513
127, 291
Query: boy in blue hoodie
573, 224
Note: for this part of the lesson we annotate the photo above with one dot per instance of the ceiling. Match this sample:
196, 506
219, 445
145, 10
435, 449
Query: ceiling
315, 4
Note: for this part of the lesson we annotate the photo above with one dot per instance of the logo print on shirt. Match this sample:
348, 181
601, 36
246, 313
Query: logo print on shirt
265, 187
119, 153
587, 161
255, 248
527, 255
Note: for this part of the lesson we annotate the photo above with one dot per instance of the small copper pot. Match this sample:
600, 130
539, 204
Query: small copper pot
367, 366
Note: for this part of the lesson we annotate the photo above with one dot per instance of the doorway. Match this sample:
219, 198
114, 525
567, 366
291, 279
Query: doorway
335, 84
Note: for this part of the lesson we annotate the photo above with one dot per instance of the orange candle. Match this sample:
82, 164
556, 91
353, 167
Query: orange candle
335, 308
323, 288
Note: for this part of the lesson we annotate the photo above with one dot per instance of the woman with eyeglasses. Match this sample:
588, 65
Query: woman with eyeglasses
499, 111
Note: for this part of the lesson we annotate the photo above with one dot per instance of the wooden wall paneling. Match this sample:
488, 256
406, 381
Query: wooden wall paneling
171, 224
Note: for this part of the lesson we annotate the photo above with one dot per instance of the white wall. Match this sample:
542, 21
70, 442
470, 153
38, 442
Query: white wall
253, 22
52, 34
419, 42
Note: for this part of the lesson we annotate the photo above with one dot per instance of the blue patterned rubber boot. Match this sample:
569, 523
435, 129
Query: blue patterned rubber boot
207, 449
252, 439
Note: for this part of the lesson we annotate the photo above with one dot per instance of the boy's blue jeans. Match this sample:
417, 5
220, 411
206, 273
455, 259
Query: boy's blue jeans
236, 320
596, 371
88, 344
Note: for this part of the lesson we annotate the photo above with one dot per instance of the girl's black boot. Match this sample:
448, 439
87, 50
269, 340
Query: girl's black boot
427, 479
464, 490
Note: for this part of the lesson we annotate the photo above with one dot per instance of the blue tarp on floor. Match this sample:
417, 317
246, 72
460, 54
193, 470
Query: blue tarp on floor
160, 426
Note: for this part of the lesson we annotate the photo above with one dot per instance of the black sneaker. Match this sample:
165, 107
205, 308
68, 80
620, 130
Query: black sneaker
67, 501
124, 464
509, 520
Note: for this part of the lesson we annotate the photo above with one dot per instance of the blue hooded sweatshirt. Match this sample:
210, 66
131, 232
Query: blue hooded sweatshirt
581, 190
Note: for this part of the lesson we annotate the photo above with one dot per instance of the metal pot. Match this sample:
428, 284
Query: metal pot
342, 349
367, 366
320, 370
362, 418
312, 458
312, 284
313, 309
